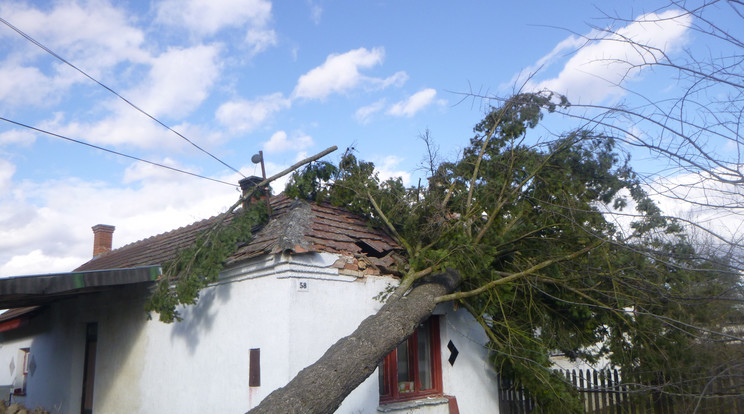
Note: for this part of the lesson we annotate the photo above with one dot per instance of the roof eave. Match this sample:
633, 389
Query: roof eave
35, 290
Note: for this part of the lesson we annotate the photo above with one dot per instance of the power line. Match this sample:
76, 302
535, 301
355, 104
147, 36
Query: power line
112, 151
63, 60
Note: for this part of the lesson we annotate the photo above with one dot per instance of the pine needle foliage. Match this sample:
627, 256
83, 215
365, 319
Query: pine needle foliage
545, 270
199, 265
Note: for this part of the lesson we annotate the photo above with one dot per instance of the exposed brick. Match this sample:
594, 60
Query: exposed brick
351, 266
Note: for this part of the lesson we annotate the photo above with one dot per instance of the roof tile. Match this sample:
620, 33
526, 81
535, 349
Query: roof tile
296, 226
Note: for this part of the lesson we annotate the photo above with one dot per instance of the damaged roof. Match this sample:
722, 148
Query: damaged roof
296, 226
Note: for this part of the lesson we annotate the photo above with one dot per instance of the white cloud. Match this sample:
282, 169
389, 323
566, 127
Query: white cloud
695, 198
94, 36
18, 93
6, 174
37, 262
341, 73
141, 172
596, 69
22, 137
178, 81
163, 93
260, 40
281, 142
413, 104
386, 169
124, 127
316, 12
46, 226
364, 114
396, 79
301, 156
207, 17
566, 46
697, 190
245, 116
97, 36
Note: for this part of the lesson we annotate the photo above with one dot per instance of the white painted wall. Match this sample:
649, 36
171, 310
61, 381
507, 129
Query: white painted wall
10, 365
329, 308
471, 379
202, 363
56, 338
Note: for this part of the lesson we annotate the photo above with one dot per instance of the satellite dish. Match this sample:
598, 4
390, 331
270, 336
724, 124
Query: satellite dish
256, 158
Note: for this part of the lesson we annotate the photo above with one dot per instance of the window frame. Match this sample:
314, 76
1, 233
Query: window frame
21, 376
388, 375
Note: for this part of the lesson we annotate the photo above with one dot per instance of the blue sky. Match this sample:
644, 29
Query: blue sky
239, 76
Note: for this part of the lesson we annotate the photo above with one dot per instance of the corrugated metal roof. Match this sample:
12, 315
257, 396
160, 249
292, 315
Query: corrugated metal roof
41, 289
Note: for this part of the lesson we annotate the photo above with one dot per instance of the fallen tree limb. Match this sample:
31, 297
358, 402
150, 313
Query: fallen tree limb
322, 386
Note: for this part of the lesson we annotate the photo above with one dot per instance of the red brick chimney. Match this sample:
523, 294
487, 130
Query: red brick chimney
102, 236
248, 184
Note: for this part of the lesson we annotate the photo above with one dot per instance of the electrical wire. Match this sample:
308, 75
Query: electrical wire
112, 151
63, 60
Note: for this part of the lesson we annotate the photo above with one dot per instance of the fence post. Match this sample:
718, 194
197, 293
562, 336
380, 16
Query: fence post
595, 390
604, 397
619, 395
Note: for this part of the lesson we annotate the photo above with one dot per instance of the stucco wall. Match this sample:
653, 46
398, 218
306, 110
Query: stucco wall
291, 307
213, 343
471, 378
56, 338
324, 309
10, 343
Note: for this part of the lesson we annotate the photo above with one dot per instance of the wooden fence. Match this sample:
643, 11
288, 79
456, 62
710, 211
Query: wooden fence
607, 392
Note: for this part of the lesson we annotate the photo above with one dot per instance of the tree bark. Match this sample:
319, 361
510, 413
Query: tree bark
321, 387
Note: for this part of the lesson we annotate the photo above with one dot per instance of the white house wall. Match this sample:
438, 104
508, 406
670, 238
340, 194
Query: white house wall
292, 308
56, 338
471, 379
10, 364
325, 309
208, 353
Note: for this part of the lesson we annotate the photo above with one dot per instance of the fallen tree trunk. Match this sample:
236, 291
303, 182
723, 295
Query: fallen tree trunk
321, 387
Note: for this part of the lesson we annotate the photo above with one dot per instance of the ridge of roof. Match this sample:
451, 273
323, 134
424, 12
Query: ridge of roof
297, 226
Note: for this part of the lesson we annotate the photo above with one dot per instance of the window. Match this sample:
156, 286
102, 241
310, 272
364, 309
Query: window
89, 367
254, 367
414, 369
19, 385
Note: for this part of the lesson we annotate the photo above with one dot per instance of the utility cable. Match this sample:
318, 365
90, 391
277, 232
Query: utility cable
113, 152
51, 52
